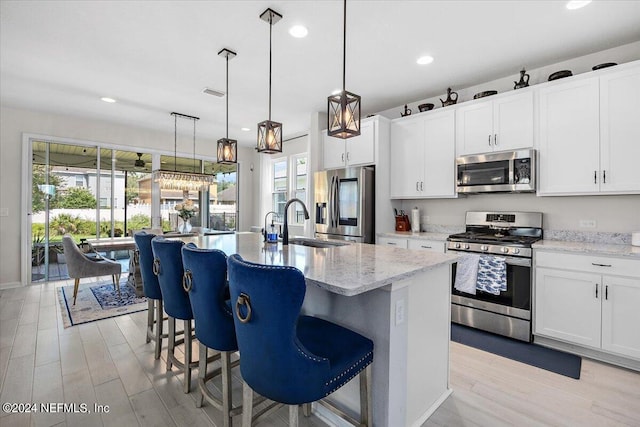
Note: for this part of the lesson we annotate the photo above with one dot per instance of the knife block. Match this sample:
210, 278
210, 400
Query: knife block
402, 223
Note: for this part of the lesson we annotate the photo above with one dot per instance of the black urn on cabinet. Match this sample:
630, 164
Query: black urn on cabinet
449, 100
524, 82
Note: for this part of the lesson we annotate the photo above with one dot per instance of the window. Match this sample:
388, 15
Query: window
289, 179
79, 181
279, 188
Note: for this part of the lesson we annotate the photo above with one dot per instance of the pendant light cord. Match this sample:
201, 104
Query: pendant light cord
270, 30
227, 96
175, 142
344, 48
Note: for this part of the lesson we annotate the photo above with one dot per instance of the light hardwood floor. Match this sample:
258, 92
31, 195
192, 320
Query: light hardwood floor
108, 363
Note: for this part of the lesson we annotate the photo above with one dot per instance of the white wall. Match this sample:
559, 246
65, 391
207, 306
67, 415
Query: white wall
14, 122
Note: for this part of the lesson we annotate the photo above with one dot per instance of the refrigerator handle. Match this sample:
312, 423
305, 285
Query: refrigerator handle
331, 201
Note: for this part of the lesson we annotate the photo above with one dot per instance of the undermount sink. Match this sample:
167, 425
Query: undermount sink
315, 243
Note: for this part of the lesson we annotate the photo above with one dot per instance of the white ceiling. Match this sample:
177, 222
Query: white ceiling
156, 57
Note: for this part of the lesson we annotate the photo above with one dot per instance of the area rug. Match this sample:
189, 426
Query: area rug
97, 301
542, 357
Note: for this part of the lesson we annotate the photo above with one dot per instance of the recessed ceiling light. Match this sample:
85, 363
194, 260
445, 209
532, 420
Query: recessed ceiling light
577, 4
423, 60
298, 31
109, 100
245, 129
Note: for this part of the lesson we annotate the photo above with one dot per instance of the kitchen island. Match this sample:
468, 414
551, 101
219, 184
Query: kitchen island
397, 297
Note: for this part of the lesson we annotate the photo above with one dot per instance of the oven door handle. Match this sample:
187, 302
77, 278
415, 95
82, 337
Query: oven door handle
523, 262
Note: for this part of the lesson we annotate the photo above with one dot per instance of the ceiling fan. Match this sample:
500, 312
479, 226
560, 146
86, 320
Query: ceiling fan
139, 162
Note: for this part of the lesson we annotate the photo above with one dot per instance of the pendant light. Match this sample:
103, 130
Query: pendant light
269, 132
227, 148
343, 119
185, 181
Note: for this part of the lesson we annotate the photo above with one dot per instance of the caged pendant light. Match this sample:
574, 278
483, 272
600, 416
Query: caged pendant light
270, 132
227, 148
343, 119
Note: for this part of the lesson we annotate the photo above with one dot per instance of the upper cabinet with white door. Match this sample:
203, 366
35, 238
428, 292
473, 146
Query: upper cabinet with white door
502, 122
589, 133
358, 150
422, 158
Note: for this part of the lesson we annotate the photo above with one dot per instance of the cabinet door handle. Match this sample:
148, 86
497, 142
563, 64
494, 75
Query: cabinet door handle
596, 291
489, 140
606, 292
604, 176
600, 265
421, 186
347, 155
495, 139
595, 177
417, 186
342, 157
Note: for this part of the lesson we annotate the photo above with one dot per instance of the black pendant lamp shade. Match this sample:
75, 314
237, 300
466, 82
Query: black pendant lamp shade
270, 132
227, 152
343, 108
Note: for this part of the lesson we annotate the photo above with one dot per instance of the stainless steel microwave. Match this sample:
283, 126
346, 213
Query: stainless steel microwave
505, 171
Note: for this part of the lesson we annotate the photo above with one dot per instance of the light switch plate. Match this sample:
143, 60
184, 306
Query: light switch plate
4, 211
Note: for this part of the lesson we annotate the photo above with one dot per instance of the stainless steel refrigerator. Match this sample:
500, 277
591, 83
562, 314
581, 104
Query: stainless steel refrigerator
345, 204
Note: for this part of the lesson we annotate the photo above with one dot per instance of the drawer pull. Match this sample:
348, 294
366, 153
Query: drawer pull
600, 265
426, 247
391, 243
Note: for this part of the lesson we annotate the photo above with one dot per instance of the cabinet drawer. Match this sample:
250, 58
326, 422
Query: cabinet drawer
393, 241
428, 245
588, 263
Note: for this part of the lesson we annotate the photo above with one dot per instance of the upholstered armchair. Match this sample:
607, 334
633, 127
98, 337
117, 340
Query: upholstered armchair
79, 266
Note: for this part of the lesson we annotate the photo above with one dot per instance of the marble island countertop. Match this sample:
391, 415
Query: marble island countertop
589, 248
348, 270
422, 235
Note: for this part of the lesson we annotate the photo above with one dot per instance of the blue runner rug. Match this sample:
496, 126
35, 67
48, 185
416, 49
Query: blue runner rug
542, 357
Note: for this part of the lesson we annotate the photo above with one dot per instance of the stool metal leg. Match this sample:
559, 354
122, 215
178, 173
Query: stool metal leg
150, 314
187, 355
202, 371
293, 415
366, 409
247, 404
172, 342
159, 327
225, 357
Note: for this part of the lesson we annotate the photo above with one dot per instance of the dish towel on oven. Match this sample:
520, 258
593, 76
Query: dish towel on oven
467, 273
492, 274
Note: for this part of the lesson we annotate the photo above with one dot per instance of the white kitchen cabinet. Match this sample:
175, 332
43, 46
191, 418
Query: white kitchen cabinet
358, 150
498, 124
397, 242
426, 245
620, 131
589, 133
422, 159
588, 300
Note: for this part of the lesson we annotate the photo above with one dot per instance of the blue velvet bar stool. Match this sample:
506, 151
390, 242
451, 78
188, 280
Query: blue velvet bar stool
167, 265
205, 279
286, 357
151, 289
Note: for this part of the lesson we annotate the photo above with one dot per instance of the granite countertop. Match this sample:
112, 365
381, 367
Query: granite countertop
423, 235
348, 270
623, 250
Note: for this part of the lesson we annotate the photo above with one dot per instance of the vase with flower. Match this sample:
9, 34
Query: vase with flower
186, 211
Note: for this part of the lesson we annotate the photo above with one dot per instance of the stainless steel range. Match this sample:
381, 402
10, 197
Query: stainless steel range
493, 290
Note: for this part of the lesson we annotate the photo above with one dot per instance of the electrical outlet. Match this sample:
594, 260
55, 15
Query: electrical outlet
399, 312
587, 223
4, 211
